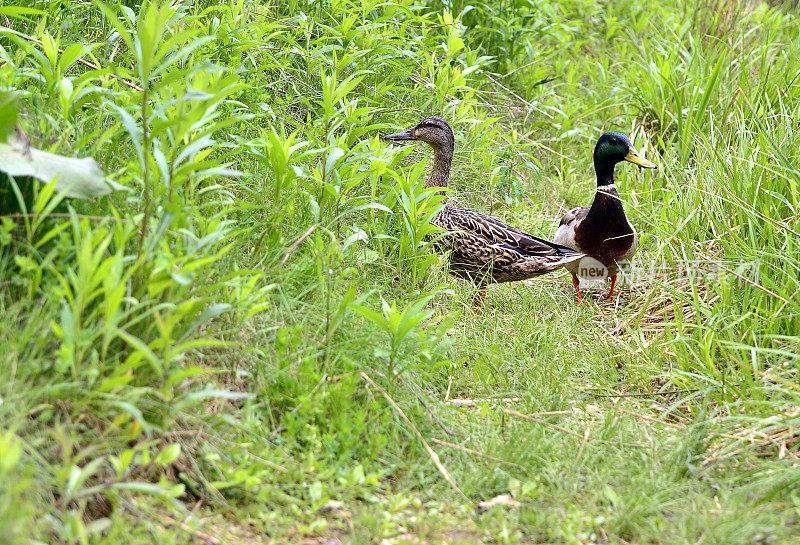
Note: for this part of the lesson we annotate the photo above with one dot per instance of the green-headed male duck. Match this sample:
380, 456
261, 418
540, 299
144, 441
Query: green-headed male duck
602, 231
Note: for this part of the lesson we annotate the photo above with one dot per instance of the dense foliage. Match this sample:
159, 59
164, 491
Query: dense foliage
254, 341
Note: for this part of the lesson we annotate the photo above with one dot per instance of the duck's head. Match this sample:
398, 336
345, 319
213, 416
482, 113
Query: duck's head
433, 130
615, 147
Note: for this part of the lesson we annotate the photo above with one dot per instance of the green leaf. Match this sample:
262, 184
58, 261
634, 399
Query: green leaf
147, 488
141, 349
78, 475
135, 413
333, 156
77, 178
169, 454
19, 12
9, 110
187, 372
10, 452
371, 315
134, 131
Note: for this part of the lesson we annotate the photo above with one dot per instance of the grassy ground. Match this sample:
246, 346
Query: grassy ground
257, 345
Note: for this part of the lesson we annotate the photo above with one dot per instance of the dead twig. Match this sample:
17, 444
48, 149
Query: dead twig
298, 242
565, 430
473, 402
583, 443
648, 394
774, 378
518, 68
754, 284
476, 453
515, 95
503, 499
431, 452
442, 425
647, 418
185, 527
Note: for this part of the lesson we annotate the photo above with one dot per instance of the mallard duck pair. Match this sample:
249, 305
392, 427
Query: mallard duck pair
486, 250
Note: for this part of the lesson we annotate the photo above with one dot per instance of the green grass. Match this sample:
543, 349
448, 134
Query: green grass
255, 342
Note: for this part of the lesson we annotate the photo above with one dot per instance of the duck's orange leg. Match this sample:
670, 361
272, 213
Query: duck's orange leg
478, 301
613, 283
577, 284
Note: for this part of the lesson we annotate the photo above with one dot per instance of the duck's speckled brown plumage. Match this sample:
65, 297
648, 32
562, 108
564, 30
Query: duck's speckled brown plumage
482, 248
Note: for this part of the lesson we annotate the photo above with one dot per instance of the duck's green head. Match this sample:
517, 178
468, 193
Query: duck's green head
615, 147
433, 130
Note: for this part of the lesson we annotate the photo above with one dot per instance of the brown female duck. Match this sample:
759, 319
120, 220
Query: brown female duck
482, 248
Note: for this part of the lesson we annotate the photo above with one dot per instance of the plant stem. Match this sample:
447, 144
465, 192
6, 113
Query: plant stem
148, 198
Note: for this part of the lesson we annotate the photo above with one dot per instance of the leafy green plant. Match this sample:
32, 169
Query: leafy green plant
415, 238
75, 178
404, 328
16, 515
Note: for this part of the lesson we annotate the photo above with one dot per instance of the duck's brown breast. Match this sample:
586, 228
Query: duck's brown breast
605, 233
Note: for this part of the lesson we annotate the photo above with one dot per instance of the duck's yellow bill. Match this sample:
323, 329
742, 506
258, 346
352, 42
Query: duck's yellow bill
634, 157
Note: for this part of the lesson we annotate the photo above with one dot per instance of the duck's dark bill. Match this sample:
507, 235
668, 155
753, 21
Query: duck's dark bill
405, 135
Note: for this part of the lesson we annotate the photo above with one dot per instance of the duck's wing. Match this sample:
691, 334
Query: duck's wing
492, 230
476, 257
565, 234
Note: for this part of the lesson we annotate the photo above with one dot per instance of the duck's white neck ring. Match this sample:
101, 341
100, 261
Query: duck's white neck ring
606, 188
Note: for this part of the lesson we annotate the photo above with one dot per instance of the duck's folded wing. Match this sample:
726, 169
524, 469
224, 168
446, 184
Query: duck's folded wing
474, 255
496, 231
575, 216
565, 234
